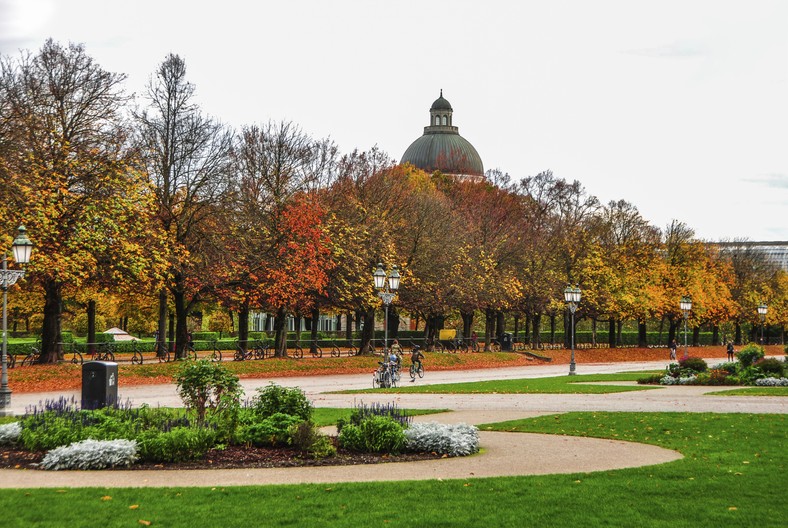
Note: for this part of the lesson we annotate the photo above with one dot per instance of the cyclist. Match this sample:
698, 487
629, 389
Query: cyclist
394, 361
415, 359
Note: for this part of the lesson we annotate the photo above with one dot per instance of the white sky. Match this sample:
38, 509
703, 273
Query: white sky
680, 107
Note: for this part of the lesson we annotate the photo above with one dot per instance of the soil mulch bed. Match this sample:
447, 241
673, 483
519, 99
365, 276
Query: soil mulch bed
236, 457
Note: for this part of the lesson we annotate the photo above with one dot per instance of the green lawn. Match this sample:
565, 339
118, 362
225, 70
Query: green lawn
556, 385
733, 475
753, 391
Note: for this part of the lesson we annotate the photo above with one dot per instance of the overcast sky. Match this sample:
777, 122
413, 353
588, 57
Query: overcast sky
679, 107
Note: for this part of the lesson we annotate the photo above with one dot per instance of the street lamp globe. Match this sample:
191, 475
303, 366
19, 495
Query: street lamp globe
685, 304
22, 247
379, 277
762, 309
394, 279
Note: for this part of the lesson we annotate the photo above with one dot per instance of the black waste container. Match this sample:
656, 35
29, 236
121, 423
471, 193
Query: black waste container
99, 384
506, 342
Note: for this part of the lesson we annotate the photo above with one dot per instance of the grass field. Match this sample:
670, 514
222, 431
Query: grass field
733, 474
753, 391
555, 385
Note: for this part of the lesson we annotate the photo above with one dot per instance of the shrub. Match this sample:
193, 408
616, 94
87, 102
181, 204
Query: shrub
721, 377
694, 364
176, 445
92, 454
376, 434
454, 440
204, 385
749, 354
274, 399
272, 431
306, 437
10, 433
748, 375
729, 367
654, 379
771, 367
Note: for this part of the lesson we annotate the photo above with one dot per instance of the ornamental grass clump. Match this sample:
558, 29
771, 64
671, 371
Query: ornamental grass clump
10, 433
92, 454
446, 439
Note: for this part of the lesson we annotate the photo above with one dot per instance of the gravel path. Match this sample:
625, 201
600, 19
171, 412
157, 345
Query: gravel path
505, 454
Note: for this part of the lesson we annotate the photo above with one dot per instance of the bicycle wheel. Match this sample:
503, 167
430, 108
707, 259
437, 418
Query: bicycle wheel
239, 355
259, 353
298, 352
375, 380
420, 370
439, 347
319, 351
412, 372
216, 356
136, 359
385, 382
335, 352
10, 360
76, 359
29, 360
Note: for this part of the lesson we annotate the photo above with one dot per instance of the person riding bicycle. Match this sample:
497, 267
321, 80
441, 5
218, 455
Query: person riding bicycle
394, 360
415, 359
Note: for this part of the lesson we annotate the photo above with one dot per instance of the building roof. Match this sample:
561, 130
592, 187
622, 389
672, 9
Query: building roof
442, 148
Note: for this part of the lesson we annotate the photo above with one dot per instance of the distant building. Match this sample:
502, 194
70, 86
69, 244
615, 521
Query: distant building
775, 251
442, 147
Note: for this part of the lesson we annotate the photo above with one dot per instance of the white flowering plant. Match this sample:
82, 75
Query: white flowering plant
92, 454
772, 382
10, 433
685, 380
448, 439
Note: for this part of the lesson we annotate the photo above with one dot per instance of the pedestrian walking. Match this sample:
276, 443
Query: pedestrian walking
730, 350
673, 347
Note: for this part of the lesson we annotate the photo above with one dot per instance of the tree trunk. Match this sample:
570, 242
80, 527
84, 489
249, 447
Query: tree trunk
552, 329
349, 326
593, 332
50, 332
516, 325
642, 341
368, 331
715, 335
489, 328
611, 333
161, 331
171, 333
280, 333
527, 328
243, 327
91, 327
696, 336
500, 324
315, 319
393, 323
467, 324
181, 315
536, 322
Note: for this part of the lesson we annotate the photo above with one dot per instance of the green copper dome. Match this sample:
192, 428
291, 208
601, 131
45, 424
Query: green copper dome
442, 147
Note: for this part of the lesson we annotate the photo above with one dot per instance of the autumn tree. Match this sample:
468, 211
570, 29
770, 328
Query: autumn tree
66, 169
185, 156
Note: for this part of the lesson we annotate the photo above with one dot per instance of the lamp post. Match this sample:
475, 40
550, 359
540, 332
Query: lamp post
387, 286
686, 305
22, 248
572, 298
762, 310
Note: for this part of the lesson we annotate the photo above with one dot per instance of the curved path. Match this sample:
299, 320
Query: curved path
504, 454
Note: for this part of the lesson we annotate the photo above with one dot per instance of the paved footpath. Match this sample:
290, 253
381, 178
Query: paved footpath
504, 453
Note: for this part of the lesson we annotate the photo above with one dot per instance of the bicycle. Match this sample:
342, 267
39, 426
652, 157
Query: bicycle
259, 349
298, 352
316, 351
335, 351
241, 354
414, 370
352, 350
495, 346
76, 356
32, 357
164, 354
104, 353
216, 355
189, 352
136, 357
384, 376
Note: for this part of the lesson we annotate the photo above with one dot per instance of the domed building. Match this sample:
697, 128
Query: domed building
442, 147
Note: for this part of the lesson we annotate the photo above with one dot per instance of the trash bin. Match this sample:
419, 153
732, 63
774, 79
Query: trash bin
99, 384
506, 342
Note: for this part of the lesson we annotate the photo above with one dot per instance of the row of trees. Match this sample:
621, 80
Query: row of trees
151, 198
